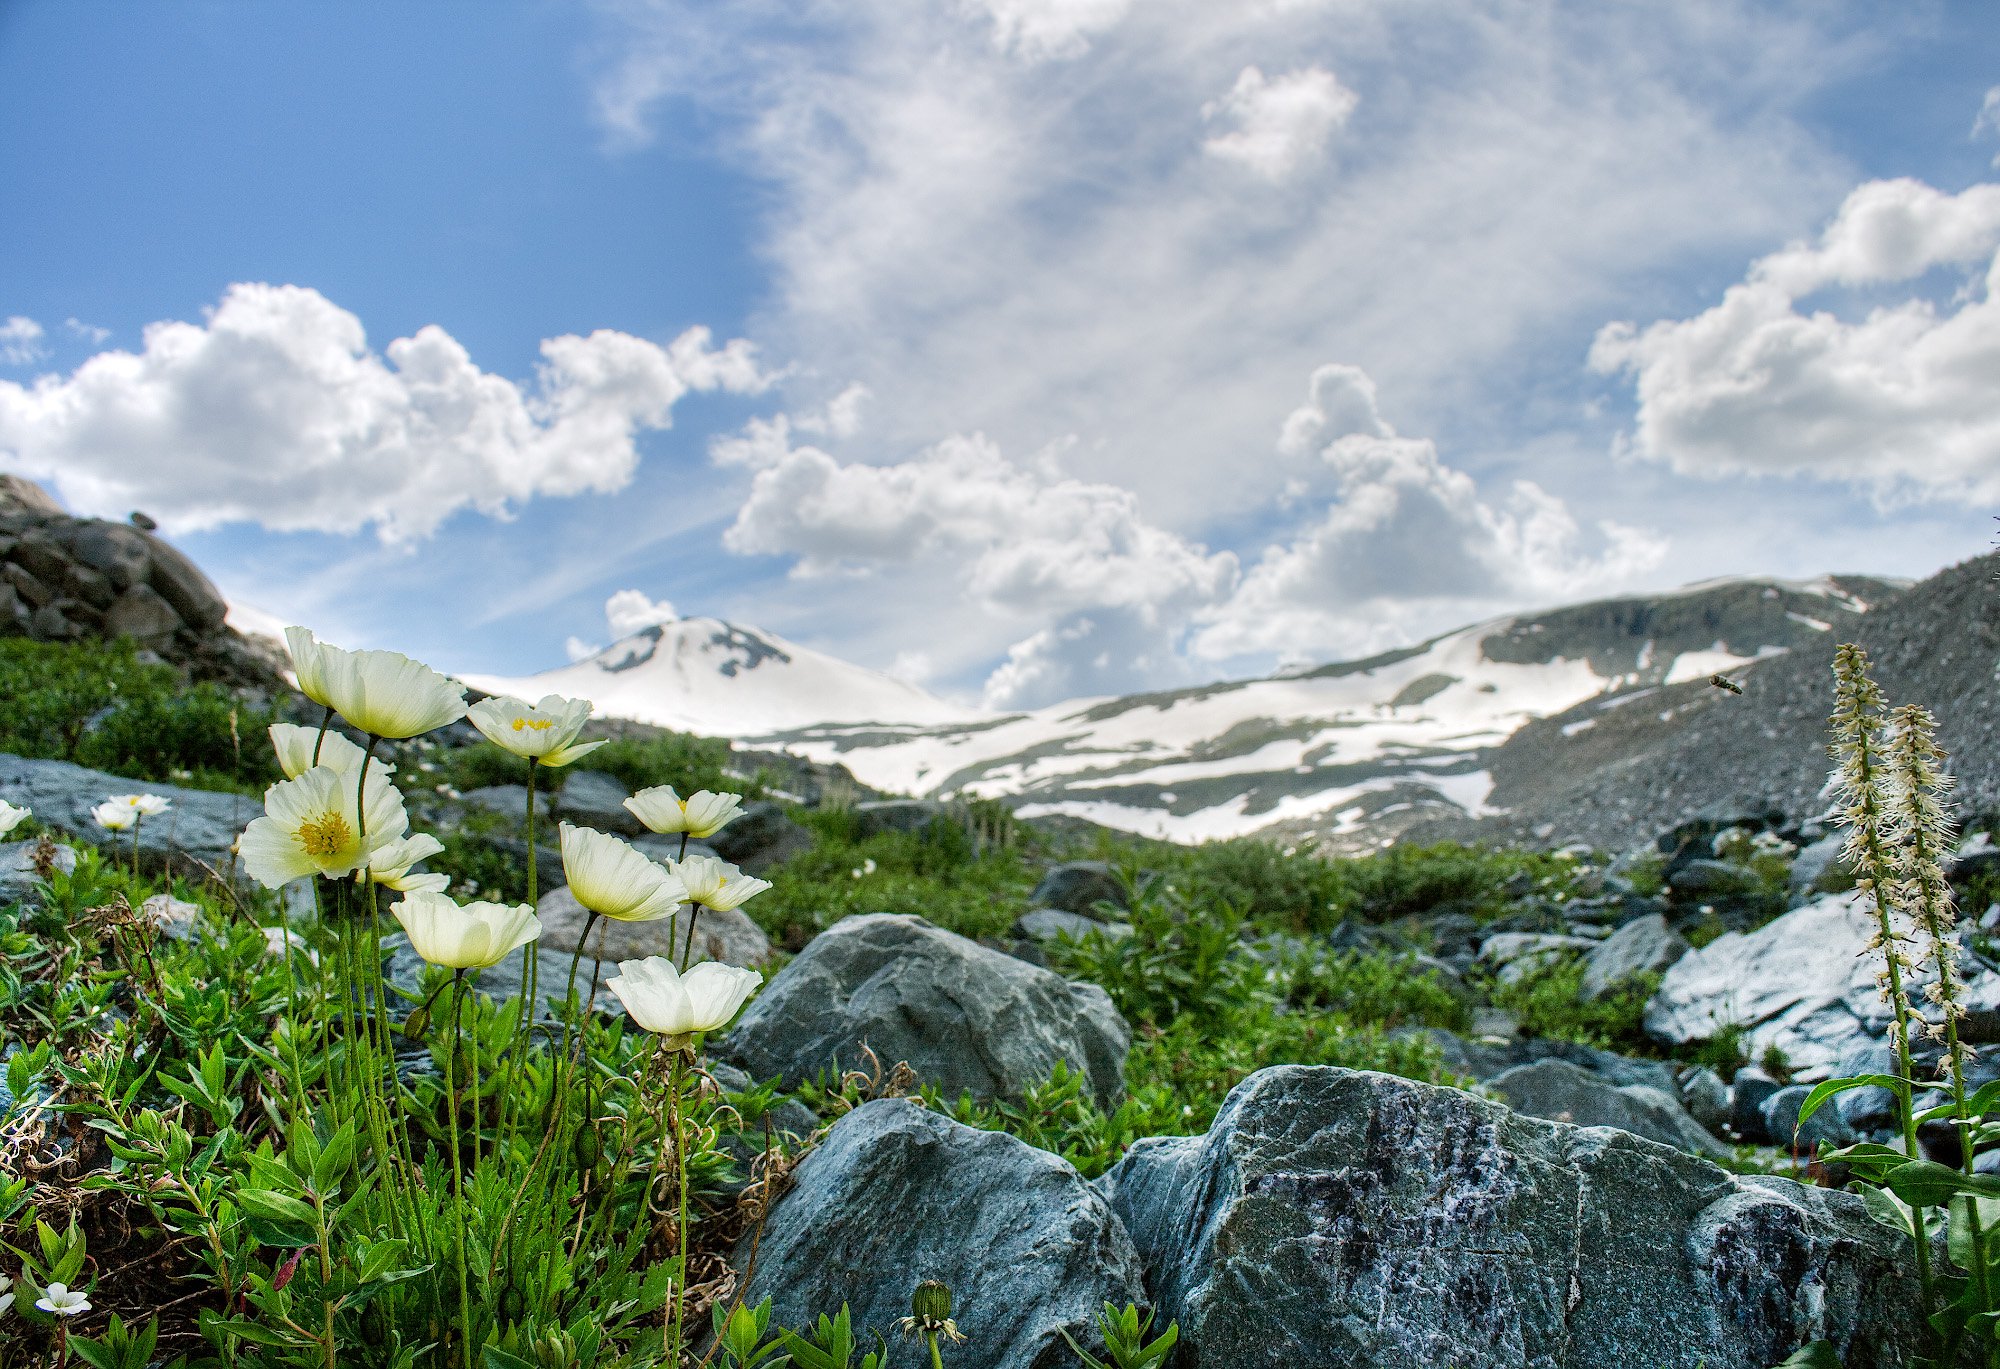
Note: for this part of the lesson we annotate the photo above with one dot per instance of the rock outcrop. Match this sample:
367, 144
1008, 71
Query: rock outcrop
966, 1018
895, 1195
63, 579
1333, 1218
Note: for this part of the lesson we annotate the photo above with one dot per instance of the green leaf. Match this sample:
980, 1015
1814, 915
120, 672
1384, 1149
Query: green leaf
1925, 1183
254, 1332
276, 1207
1822, 1092
335, 1159
1886, 1208
496, 1358
1818, 1355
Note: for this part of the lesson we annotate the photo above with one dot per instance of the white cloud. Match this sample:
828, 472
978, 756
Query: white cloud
1035, 249
632, 610
275, 411
1900, 400
1988, 118
577, 649
1018, 539
89, 332
1049, 28
1280, 124
21, 342
841, 417
1405, 544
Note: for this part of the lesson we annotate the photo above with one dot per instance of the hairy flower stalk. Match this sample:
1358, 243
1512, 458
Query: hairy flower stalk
1925, 831
1864, 788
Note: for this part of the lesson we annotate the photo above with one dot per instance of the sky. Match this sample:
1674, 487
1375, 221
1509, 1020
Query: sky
1024, 349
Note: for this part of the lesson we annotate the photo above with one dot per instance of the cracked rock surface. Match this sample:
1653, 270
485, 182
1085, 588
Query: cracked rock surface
1334, 1217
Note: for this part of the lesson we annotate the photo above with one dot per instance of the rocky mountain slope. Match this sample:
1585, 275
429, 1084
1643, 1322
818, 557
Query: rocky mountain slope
1354, 751
1613, 770
723, 680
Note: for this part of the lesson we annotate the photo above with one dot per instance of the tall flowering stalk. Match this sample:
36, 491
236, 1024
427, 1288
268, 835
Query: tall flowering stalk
1864, 787
1925, 832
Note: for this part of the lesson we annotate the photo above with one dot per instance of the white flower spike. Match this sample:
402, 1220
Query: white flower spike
63, 1301
295, 746
716, 884
544, 732
470, 937
383, 693
11, 817
312, 826
613, 880
701, 814
676, 1005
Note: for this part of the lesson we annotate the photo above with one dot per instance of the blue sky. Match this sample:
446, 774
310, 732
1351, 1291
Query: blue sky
1053, 347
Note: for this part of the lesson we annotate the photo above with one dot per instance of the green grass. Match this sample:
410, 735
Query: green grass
1544, 1001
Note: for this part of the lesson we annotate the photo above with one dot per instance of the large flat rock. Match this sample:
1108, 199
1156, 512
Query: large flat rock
201, 824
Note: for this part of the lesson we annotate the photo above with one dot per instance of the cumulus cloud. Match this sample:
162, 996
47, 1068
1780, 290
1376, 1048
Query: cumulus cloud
1026, 540
21, 342
89, 332
1899, 400
1279, 124
276, 411
633, 610
1403, 540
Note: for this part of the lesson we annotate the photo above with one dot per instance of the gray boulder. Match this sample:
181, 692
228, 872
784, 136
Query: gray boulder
897, 815
761, 837
1708, 880
1817, 864
1333, 1218
730, 937
895, 1195
1515, 955
1644, 945
1044, 925
200, 824
1485, 1060
1705, 1096
508, 800
591, 798
1749, 1092
1078, 887
1805, 983
1558, 1091
964, 1017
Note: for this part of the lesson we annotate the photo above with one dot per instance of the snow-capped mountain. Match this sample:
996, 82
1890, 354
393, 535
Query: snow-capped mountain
1336, 749
721, 680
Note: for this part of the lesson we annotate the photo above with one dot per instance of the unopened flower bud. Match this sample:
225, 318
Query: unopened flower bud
931, 1302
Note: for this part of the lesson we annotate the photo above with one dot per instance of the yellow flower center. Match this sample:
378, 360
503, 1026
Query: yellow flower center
325, 836
539, 724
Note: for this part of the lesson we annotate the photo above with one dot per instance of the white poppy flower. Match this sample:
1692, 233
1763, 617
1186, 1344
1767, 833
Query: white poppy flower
114, 816
62, 1300
312, 826
716, 884
544, 731
389, 866
11, 817
612, 880
468, 937
145, 805
295, 746
383, 693
676, 1005
700, 814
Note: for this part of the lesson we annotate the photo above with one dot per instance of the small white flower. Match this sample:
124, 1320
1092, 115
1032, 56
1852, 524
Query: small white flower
663, 1000
613, 880
716, 884
145, 805
701, 814
471, 937
61, 1300
6, 1303
295, 746
114, 816
11, 817
383, 693
544, 731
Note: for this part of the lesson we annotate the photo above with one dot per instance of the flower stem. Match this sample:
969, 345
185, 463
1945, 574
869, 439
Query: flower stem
457, 1173
937, 1359
676, 1080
